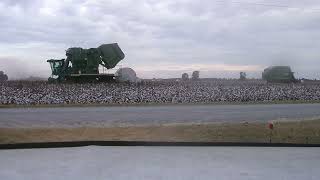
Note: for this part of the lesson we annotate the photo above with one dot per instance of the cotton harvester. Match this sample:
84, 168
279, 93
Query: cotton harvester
82, 65
278, 74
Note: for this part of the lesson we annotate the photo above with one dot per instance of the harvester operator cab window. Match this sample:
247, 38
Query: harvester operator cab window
56, 66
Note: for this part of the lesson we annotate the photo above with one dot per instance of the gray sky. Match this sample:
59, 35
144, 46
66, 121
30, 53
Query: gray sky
165, 38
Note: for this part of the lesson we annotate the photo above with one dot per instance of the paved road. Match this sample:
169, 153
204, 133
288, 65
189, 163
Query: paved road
79, 116
139, 163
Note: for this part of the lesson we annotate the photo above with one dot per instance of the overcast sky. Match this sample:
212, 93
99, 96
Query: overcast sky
165, 38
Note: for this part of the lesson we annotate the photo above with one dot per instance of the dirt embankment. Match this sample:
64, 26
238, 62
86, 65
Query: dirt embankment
302, 132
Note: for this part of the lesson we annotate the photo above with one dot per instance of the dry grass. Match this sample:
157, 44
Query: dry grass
284, 132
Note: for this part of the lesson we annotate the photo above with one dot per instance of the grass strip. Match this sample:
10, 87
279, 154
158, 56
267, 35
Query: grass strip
299, 132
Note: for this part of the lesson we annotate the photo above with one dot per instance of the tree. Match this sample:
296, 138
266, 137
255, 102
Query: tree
195, 75
185, 76
3, 77
243, 75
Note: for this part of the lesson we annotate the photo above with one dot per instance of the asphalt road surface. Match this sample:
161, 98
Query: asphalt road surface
99, 116
139, 163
